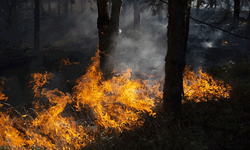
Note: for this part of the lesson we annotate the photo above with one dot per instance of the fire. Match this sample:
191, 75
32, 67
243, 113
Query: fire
226, 42
116, 103
105, 106
202, 87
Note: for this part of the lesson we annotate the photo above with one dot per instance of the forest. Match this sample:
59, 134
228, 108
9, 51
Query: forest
125, 74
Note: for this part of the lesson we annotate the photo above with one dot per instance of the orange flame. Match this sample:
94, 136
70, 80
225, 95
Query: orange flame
117, 102
112, 106
202, 87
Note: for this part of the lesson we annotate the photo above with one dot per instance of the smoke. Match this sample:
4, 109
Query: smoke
142, 50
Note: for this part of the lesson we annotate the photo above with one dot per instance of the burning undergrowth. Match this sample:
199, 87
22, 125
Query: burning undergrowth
96, 108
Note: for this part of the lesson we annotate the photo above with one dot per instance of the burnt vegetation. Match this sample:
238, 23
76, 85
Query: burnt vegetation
68, 38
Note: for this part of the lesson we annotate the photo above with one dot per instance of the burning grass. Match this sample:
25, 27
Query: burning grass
107, 107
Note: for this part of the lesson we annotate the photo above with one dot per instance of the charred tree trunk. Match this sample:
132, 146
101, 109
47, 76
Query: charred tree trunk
175, 59
37, 26
108, 30
12, 21
137, 15
236, 12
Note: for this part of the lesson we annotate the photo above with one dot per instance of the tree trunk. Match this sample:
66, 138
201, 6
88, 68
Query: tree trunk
188, 10
49, 5
175, 59
59, 7
37, 26
236, 12
82, 5
198, 4
71, 8
212, 3
124, 11
42, 10
12, 21
108, 31
66, 10
137, 15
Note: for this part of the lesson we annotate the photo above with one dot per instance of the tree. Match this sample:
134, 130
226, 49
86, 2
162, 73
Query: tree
212, 3
175, 59
82, 5
108, 31
66, 10
137, 15
58, 7
9, 15
37, 26
49, 6
71, 7
236, 13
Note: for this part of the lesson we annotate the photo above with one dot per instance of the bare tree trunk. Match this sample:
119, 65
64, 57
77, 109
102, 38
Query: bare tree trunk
66, 10
12, 21
212, 3
124, 11
37, 26
83, 5
71, 8
137, 15
236, 12
59, 7
42, 10
49, 5
198, 4
175, 59
108, 30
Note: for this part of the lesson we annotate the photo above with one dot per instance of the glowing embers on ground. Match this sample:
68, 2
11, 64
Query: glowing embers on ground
202, 87
105, 107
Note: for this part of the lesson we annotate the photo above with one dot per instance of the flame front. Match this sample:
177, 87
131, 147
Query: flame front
106, 106
202, 87
117, 103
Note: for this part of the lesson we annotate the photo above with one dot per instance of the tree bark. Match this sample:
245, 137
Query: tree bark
82, 5
42, 10
66, 10
108, 31
49, 5
12, 21
59, 7
198, 4
137, 15
71, 8
37, 26
175, 59
236, 12
212, 3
